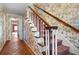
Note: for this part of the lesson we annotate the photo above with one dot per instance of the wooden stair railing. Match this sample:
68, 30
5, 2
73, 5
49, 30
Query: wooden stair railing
45, 30
34, 12
61, 21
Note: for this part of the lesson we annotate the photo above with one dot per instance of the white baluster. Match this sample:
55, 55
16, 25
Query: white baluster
46, 42
52, 42
55, 41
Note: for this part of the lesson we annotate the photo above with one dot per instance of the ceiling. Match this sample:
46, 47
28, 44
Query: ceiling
15, 8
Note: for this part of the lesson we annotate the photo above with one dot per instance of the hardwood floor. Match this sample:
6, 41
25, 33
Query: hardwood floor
16, 47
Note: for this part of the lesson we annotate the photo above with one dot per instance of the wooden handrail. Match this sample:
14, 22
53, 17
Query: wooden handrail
48, 25
63, 22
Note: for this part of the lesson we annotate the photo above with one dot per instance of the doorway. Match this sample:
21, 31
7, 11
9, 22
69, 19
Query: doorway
15, 30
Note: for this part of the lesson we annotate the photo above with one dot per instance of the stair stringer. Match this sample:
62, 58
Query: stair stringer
31, 38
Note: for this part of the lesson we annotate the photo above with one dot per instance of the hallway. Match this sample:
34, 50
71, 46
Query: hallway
16, 47
31, 29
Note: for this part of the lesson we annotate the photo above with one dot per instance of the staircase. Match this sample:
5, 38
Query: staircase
62, 49
42, 32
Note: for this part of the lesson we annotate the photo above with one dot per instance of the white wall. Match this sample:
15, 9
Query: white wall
1, 40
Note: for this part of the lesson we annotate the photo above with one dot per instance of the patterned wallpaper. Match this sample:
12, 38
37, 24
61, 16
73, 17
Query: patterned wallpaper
67, 12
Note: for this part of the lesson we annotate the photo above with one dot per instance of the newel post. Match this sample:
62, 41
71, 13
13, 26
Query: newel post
51, 40
54, 40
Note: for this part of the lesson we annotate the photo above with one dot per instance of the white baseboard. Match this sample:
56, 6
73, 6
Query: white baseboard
2, 46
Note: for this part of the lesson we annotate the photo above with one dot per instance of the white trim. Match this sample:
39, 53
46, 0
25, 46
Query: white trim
2, 46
